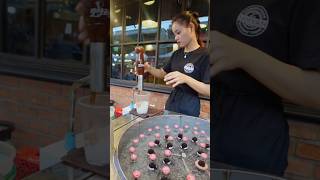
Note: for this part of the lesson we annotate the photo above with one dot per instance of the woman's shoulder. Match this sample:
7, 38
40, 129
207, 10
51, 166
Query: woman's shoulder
177, 53
202, 53
203, 50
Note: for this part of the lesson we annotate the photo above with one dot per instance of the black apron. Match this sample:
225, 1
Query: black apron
249, 131
183, 102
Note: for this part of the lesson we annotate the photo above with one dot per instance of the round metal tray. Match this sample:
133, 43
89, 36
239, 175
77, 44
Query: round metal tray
125, 166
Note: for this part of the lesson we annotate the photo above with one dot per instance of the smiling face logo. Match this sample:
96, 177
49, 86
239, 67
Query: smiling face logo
188, 68
252, 21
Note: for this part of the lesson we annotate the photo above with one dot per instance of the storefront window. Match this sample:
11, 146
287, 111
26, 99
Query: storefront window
61, 33
169, 9
128, 62
150, 57
202, 7
20, 37
116, 62
149, 20
165, 52
131, 19
39, 39
116, 22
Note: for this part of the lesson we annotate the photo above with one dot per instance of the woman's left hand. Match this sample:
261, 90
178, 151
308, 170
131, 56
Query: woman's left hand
227, 53
175, 78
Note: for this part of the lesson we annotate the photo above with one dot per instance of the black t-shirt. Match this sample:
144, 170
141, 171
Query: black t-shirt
184, 99
200, 60
249, 129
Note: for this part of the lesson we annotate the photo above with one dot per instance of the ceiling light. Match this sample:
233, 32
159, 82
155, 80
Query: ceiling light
149, 47
149, 24
202, 26
148, 3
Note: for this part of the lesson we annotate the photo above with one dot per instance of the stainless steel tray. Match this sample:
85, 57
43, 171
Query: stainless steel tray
125, 166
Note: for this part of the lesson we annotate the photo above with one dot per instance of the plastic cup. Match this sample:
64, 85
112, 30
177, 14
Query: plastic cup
112, 111
95, 126
141, 100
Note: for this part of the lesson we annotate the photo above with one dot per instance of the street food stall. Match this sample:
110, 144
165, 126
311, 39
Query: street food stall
142, 150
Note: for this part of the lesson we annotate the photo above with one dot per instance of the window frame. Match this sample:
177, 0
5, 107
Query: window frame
44, 69
37, 66
157, 42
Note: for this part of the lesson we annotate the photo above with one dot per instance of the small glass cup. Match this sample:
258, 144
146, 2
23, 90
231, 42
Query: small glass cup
141, 99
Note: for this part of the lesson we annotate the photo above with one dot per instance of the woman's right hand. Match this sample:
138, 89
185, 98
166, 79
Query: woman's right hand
147, 67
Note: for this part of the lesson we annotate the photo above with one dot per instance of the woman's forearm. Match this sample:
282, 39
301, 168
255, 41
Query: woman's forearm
288, 81
158, 73
200, 87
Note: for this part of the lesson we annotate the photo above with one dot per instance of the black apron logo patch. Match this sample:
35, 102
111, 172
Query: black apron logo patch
252, 21
188, 68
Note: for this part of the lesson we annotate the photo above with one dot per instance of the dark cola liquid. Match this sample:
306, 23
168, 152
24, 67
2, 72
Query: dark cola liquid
140, 69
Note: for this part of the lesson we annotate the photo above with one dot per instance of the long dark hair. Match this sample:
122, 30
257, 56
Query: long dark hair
187, 17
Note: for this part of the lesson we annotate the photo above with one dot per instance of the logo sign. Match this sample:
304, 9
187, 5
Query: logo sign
98, 11
188, 68
252, 21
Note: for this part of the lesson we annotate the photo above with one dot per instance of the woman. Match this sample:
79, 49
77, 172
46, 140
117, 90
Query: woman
273, 54
188, 68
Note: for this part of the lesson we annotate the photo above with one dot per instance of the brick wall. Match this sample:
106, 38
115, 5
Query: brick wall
304, 151
39, 109
123, 97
